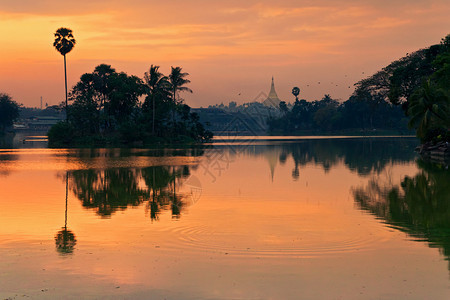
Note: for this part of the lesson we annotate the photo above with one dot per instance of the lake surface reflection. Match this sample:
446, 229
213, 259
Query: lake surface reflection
306, 219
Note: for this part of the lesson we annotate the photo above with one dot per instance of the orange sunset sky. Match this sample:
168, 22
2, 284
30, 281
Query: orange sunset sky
230, 48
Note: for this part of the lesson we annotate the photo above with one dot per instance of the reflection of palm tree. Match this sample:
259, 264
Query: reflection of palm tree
177, 204
65, 239
157, 179
161, 182
64, 43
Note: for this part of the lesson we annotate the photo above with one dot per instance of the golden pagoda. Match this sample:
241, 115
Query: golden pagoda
272, 99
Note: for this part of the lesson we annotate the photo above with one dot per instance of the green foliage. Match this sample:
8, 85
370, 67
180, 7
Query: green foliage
362, 112
283, 107
399, 80
429, 108
442, 74
420, 83
61, 134
106, 108
9, 111
436, 135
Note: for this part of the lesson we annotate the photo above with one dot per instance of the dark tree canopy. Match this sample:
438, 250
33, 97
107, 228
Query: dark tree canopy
420, 82
360, 112
399, 80
9, 111
107, 106
64, 40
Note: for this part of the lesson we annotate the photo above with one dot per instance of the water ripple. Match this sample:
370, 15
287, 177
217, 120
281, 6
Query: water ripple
199, 238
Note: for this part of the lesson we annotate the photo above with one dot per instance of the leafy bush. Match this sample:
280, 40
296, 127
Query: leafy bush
437, 135
61, 134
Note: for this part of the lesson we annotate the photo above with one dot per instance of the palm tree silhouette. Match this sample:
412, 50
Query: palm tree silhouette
295, 92
177, 81
64, 43
156, 83
428, 108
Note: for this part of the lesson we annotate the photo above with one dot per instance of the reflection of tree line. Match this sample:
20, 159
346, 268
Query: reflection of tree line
419, 206
89, 153
5, 159
109, 190
362, 155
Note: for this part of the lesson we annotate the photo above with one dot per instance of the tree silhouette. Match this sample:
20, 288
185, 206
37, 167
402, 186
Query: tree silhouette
429, 108
295, 92
64, 43
177, 80
157, 85
9, 111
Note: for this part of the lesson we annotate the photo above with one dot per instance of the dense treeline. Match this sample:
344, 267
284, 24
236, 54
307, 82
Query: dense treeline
111, 107
419, 83
328, 115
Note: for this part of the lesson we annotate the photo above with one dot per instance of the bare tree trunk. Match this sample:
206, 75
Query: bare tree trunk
153, 122
173, 108
65, 80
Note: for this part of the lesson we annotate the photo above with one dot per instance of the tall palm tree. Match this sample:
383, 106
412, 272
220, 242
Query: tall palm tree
177, 81
428, 107
64, 43
157, 84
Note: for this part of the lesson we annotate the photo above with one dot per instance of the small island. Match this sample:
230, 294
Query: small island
105, 110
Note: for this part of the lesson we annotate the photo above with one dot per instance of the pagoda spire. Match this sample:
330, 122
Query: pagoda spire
272, 99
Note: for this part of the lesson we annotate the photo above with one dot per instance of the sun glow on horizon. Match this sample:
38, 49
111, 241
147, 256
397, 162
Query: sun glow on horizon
224, 46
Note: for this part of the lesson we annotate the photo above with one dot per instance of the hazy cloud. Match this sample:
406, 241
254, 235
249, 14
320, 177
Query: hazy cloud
236, 40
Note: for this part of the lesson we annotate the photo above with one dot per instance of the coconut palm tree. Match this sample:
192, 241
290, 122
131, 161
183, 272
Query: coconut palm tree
64, 43
157, 84
428, 107
177, 81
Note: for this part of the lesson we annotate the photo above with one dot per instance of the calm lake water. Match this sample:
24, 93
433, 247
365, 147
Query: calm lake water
298, 219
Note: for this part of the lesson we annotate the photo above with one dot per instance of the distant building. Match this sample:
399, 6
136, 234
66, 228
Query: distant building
43, 122
272, 99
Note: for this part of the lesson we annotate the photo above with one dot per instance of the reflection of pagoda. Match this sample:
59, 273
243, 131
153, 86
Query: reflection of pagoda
272, 155
272, 99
